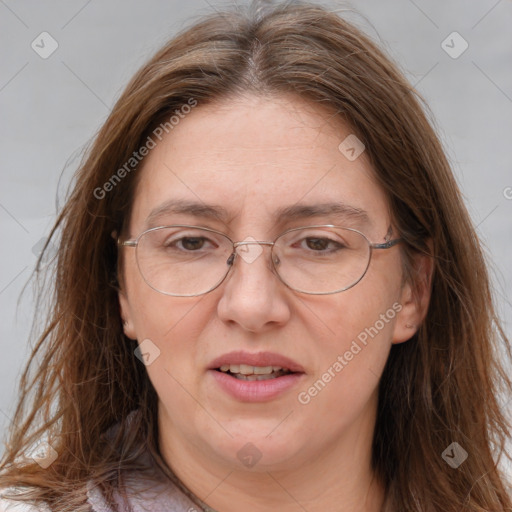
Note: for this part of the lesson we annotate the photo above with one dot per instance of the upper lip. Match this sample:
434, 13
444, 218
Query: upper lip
256, 359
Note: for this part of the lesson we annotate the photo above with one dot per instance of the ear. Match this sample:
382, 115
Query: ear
126, 316
124, 305
415, 299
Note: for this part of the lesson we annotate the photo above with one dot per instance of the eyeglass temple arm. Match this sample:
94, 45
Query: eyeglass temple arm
127, 243
388, 244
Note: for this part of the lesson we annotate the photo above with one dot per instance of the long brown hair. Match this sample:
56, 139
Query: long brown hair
440, 387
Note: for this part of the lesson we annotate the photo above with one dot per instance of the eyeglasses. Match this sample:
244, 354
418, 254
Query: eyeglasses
187, 261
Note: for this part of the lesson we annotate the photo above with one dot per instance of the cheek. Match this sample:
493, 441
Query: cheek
344, 385
157, 316
360, 325
169, 327
371, 304
174, 326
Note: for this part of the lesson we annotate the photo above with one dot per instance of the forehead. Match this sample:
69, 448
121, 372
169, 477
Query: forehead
256, 159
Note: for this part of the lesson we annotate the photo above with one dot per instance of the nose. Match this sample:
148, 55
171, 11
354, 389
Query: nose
252, 294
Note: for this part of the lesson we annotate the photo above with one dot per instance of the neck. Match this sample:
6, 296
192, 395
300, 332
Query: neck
338, 478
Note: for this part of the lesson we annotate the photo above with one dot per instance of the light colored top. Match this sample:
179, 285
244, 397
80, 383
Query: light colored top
155, 497
17, 506
147, 491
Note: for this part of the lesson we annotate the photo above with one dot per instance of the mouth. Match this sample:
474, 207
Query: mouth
255, 377
251, 373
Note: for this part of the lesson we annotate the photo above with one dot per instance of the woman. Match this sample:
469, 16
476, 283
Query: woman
269, 294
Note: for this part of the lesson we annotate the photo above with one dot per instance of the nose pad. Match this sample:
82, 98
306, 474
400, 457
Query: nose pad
249, 249
250, 252
231, 260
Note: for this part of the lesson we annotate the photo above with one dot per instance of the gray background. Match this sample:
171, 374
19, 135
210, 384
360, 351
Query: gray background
49, 108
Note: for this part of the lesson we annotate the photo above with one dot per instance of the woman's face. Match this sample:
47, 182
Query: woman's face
253, 157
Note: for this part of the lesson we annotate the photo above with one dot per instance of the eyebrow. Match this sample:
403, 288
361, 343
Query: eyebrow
187, 207
337, 210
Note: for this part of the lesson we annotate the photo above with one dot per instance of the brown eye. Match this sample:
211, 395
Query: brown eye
322, 244
192, 243
317, 244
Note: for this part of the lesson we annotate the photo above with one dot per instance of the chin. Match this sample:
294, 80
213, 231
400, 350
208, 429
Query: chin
255, 450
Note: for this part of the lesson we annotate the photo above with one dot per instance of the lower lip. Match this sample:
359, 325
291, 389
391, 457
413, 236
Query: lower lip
255, 390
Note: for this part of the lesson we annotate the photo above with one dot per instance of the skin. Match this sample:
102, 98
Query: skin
253, 155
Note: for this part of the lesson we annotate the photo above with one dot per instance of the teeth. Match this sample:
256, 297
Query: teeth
256, 377
262, 370
247, 370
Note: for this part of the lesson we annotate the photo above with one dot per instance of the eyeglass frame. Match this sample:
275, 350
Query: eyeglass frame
134, 242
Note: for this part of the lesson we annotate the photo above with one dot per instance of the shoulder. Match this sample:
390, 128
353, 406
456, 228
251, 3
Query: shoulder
10, 504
